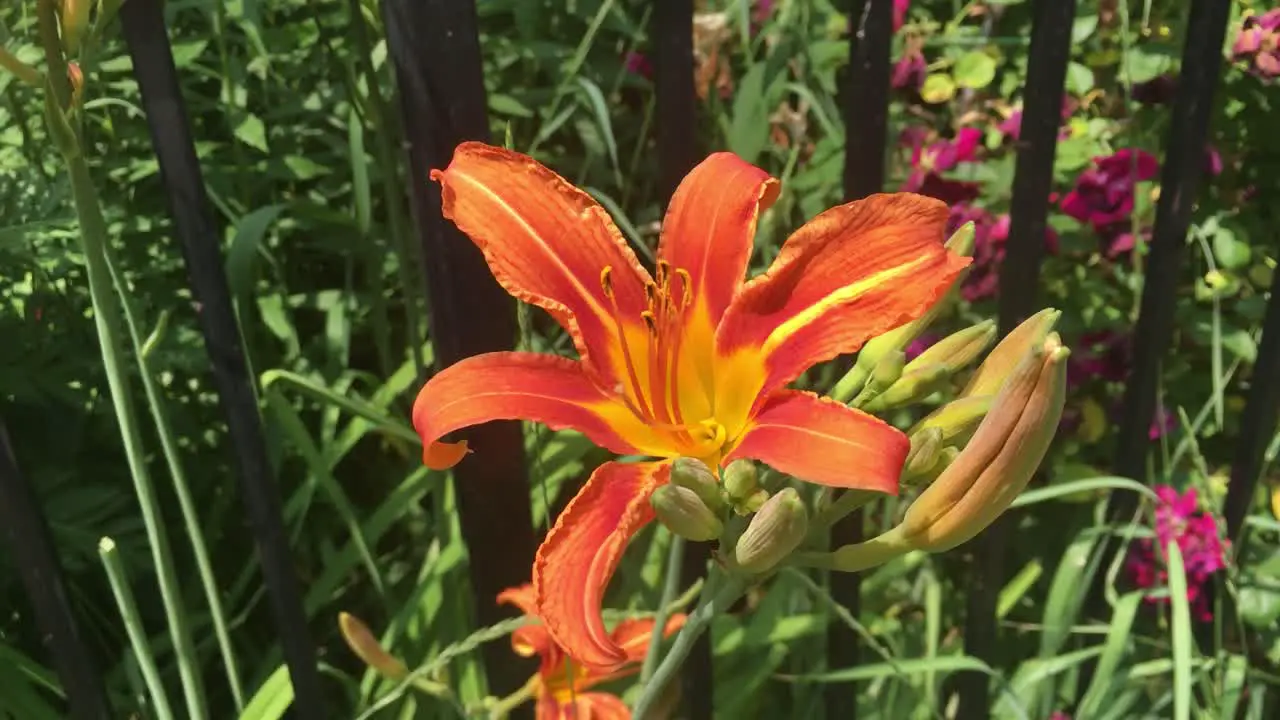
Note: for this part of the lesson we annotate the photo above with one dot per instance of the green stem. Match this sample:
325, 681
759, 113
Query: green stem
852, 558
671, 585
133, 626
848, 501
503, 707
106, 315
190, 516
697, 623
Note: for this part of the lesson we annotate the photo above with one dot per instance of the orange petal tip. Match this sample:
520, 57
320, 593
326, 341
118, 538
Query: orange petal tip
442, 456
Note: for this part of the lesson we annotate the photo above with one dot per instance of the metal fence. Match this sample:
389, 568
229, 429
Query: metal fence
435, 51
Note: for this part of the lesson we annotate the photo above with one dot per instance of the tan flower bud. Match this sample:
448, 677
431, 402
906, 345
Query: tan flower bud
926, 448
991, 374
367, 648
683, 513
999, 461
695, 475
74, 18
774, 533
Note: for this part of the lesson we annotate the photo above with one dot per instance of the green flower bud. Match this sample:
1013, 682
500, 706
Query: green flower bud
926, 448
957, 419
683, 513
962, 240
740, 479
753, 503
957, 349
888, 370
774, 533
915, 385
694, 474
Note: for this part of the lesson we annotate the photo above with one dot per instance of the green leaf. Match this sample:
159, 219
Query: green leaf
1113, 651
1083, 27
749, 126
1079, 78
1180, 625
1241, 344
272, 699
304, 168
502, 104
253, 133
1230, 252
974, 70
1259, 606
938, 88
242, 256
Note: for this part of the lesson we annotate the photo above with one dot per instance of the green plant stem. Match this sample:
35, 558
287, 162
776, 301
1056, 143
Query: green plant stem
714, 602
848, 501
133, 626
505, 705
670, 586
861, 556
186, 505
107, 320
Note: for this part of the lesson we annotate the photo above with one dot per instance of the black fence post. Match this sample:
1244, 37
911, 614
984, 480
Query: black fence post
1258, 423
1179, 184
675, 112
26, 532
435, 49
1019, 281
866, 121
153, 68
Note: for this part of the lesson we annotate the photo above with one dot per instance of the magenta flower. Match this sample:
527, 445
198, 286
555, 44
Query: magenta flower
1103, 194
637, 63
900, 13
989, 238
1100, 355
1011, 127
1162, 424
909, 70
919, 345
1212, 161
1196, 533
928, 162
1258, 44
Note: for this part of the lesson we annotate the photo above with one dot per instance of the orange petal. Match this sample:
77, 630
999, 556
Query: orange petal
710, 227
529, 640
580, 554
633, 635
551, 390
851, 273
546, 243
583, 706
819, 440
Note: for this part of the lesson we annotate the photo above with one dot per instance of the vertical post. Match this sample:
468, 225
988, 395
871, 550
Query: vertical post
675, 112
1179, 184
866, 122
1258, 423
31, 546
434, 47
153, 68
1019, 280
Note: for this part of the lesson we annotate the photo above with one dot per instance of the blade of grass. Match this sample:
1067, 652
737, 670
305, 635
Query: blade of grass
186, 503
107, 320
1180, 626
1113, 651
133, 627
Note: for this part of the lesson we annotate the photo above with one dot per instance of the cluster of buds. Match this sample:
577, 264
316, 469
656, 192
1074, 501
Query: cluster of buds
697, 506
977, 453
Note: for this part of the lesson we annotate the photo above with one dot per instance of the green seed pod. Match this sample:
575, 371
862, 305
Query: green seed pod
694, 474
774, 533
683, 513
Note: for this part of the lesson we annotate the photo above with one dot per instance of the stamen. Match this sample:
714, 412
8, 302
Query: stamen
640, 407
650, 323
686, 288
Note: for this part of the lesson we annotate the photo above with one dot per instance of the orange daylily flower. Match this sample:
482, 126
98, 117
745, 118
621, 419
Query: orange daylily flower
561, 684
690, 361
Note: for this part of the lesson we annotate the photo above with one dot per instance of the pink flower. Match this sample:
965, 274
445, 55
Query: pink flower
1258, 44
929, 162
1177, 520
990, 235
1212, 161
900, 13
1100, 355
1162, 424
1011, 127
909, 71
919, 345
637, 63
1103, 194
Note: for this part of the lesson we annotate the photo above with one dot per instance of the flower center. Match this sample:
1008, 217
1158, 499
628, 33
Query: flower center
653, 367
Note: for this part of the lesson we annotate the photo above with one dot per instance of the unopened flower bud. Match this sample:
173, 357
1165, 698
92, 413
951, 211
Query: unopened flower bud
694, 474
74, 18
753, 502
887, 371
957, 419
961, 241
1002, 361
367, 648
75, 76
774, 533
684, 514
916, 385
926, 447
957, 349
999, 461
741, 479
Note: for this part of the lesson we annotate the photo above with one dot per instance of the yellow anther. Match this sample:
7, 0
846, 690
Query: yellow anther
606, 281
649, 322
686, 288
